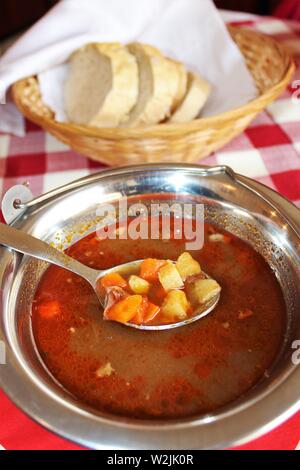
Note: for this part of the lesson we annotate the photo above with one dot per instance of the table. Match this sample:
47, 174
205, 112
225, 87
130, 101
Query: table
269, 151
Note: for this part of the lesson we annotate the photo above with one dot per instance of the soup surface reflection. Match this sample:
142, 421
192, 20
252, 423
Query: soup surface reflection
165, 374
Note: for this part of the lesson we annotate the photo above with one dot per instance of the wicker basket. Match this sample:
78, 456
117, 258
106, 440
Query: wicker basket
270, 65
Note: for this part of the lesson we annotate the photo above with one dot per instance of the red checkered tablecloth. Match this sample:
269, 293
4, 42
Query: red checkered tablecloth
269, 151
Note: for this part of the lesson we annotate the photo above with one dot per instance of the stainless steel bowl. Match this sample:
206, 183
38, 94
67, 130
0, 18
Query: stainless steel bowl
246, 208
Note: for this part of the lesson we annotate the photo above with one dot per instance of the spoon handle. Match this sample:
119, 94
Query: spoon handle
29, 245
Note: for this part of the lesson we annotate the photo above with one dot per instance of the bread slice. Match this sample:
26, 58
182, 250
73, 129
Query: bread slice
102, 86
198, 91
182, 84
158, 86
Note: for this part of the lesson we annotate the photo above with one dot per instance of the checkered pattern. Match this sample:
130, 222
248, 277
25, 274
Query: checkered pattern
269, 151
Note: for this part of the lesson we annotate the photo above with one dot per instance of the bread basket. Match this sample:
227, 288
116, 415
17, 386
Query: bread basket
268, 61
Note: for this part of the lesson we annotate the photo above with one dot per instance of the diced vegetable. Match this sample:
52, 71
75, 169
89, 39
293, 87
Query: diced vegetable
150, 268
138, 285
219, 237
151, 312
164, 291
216, 237
49, 309
113, 280
245, 314
187, 266
202, 290
105, 370
146, 312
175, 306
169, 277
124, 310
138, 319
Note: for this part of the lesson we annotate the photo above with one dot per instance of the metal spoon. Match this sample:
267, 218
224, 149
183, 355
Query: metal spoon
29, 245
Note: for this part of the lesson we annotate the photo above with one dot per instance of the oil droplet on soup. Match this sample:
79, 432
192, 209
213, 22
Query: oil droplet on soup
161, 374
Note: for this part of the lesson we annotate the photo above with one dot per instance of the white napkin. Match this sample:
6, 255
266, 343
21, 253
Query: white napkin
191, 31
11, 120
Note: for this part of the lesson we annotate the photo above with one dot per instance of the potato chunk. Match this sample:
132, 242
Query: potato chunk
169, 277
219, 237
138, 285
187, 266
105, 371
175, 305
202, 290
216, 237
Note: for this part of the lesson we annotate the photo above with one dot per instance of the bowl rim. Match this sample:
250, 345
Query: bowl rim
254, 420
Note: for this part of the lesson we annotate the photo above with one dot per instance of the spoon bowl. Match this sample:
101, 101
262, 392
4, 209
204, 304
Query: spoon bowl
26, 244
204, 310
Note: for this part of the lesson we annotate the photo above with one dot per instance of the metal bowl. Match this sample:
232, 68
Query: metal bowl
246, 208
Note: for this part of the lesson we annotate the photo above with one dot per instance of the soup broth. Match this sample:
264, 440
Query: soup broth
161, 374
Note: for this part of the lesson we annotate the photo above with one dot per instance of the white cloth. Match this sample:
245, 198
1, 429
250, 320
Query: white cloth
191, 31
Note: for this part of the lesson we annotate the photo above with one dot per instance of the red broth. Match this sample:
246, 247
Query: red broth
167, 374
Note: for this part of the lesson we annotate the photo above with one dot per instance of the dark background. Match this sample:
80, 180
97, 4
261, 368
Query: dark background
261, 7
16, 15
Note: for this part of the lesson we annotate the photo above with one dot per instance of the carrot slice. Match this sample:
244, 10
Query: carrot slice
49, 309
125, 310
113, 280
151, 312
138, 319
146, 312
150, 268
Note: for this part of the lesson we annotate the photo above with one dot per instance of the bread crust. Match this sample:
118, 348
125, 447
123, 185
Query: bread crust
198, 91
182, 84
159, 83
122, 92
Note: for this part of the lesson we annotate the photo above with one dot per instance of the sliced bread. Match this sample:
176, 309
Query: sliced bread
158, 86
182, 84
102, 86
198, 91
